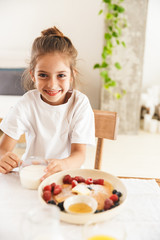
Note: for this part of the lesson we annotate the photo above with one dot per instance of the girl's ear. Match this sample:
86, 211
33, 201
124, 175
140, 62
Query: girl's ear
73, 76
32, 76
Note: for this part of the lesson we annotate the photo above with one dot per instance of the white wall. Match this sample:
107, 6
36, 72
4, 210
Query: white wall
151, 70
21, 21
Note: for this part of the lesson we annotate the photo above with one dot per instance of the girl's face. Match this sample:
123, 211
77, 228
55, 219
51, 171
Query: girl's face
52, 77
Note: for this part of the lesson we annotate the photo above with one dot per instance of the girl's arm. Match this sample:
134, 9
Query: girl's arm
8, 160
75, 160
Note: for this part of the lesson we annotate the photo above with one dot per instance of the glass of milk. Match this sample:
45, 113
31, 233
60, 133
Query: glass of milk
31, 171
42, 223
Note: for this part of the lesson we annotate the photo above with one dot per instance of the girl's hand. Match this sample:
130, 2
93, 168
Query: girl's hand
8, 161
54, 166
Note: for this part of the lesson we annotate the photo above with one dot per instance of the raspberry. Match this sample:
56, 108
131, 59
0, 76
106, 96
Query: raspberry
114, 198
98, 181
47, 188
67, 179
79, 179
89, 181
53, 186
74, 183
57, 189
108, 204
47, 195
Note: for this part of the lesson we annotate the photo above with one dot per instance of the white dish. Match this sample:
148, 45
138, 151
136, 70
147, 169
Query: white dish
90, 201
86, 173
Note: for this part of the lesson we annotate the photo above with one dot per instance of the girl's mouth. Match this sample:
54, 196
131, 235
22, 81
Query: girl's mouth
52, 92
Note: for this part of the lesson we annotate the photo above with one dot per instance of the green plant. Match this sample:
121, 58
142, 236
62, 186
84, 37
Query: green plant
114, 24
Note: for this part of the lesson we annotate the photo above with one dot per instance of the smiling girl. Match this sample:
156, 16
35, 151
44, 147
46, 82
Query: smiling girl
57, 120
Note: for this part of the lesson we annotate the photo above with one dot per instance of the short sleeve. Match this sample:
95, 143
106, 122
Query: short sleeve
83, 125
12, 124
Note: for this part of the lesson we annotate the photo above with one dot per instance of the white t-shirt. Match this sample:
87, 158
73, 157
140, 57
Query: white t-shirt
50, 130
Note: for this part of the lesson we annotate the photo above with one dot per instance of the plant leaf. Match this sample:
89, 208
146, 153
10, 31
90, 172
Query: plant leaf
120, 9
117, 65
112, 84
107, 1
114, 34
104, 74
109, 16
97, 65
117, 41
100, 12
123, 43
104, 53
110, 28
107, 36
118, 95
104, 65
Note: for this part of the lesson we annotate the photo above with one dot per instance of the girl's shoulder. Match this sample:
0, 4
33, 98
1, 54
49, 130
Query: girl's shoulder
79, 96
31, 94
27, 99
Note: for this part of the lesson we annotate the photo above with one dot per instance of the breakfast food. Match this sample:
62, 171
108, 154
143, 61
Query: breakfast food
102, 191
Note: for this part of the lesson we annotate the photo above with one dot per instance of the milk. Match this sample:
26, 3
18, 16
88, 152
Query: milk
30, 176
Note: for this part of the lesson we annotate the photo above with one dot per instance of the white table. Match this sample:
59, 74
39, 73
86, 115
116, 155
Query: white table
141, 215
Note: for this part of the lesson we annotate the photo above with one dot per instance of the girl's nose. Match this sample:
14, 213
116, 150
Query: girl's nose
53, 82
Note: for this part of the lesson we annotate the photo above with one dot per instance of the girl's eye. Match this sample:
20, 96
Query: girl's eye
42, 75
61, 75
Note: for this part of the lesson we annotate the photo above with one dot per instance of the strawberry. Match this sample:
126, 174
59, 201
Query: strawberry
47, 195
89, 181
57, 189
108, 204
47, 188
67, 179
79, 179
98, 181
114, 198
74, 183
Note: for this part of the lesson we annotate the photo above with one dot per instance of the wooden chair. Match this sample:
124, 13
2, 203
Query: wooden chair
106, 126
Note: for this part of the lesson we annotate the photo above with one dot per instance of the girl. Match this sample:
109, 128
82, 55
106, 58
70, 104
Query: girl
57, 120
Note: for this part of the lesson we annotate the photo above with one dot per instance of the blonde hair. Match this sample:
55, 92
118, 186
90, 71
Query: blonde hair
51, 40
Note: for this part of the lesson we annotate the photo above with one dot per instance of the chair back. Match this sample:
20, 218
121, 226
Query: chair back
106, 126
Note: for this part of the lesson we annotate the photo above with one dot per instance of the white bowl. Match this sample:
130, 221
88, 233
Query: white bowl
90, 201
86, 173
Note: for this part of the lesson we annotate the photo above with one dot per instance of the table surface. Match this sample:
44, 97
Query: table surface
140, 216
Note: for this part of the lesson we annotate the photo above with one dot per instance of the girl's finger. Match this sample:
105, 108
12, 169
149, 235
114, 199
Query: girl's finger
6, 166
14, 157
49, 173
2, 170
11, 162
50, 166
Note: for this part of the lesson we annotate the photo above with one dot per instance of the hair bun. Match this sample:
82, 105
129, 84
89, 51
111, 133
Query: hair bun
52, 31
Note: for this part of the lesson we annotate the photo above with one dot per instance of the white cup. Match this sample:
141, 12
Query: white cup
31, 171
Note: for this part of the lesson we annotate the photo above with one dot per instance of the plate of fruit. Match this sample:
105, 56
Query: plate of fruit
63, 188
